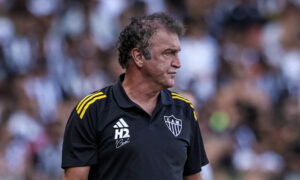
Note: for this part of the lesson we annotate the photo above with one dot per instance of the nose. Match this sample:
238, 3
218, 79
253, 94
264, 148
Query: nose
176, 62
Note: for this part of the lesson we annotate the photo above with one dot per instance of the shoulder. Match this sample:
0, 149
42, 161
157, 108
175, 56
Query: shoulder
96, 98
180, 100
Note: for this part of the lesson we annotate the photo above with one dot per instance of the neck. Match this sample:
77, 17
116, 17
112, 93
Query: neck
141, 91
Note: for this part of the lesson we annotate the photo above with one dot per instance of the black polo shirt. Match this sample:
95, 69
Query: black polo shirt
119, 140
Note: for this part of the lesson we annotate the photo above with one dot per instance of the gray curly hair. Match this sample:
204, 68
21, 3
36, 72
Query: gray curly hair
139, 32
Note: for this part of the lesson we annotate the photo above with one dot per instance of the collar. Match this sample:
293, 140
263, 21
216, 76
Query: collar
124, 101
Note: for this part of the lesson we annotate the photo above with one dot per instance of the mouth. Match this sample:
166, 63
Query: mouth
172, 73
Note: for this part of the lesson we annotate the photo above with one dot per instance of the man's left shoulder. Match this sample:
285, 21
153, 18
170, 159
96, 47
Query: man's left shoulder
179, 99
182, 102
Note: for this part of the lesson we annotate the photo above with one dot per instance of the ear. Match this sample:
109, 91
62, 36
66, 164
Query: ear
137, 57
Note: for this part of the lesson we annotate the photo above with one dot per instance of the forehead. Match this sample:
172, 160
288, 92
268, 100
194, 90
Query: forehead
165, 39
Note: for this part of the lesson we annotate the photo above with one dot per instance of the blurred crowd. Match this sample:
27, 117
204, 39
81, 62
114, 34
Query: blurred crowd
240, 68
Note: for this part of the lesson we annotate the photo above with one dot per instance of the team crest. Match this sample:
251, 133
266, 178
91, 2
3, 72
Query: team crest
174, 124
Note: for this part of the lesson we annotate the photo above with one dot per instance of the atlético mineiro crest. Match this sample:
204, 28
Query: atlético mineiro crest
174, 124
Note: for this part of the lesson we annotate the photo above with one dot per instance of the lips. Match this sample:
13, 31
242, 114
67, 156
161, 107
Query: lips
172, 74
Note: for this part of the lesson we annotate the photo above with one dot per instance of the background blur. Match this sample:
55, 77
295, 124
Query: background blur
240, 67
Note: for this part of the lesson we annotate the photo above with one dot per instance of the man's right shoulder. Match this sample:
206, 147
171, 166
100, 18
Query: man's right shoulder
98, 98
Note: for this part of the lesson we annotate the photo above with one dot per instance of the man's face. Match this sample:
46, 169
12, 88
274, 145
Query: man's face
161, 68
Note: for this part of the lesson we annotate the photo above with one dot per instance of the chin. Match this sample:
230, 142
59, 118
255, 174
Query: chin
169, 85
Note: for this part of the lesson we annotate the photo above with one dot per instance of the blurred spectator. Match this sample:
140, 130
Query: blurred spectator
45, 154
199, 57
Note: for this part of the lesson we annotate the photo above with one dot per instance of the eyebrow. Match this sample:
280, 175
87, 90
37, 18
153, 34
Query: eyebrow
171, 50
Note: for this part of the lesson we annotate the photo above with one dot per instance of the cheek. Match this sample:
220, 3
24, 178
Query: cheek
159, 66
163, 69
164, 65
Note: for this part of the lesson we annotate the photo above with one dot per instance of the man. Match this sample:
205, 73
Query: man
137, 129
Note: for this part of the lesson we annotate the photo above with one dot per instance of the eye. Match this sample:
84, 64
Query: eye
170, 52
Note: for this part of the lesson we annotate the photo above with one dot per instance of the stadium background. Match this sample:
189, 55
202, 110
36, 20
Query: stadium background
241, 69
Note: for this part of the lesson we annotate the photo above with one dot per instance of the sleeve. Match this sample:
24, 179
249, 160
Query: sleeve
196, 157
80, 142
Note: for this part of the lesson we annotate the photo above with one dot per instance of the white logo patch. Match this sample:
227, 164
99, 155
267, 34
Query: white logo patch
174, 124
121, 133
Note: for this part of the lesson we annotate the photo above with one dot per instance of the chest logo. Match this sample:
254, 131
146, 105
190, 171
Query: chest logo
122, 135
174, 124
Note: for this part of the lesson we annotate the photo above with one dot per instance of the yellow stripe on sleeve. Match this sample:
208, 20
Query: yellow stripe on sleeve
176, 94
192, 106
177, 97
85, 100
79, 104
195, 116
89, 103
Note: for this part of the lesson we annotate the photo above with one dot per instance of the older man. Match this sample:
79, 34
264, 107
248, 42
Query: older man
137, 129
